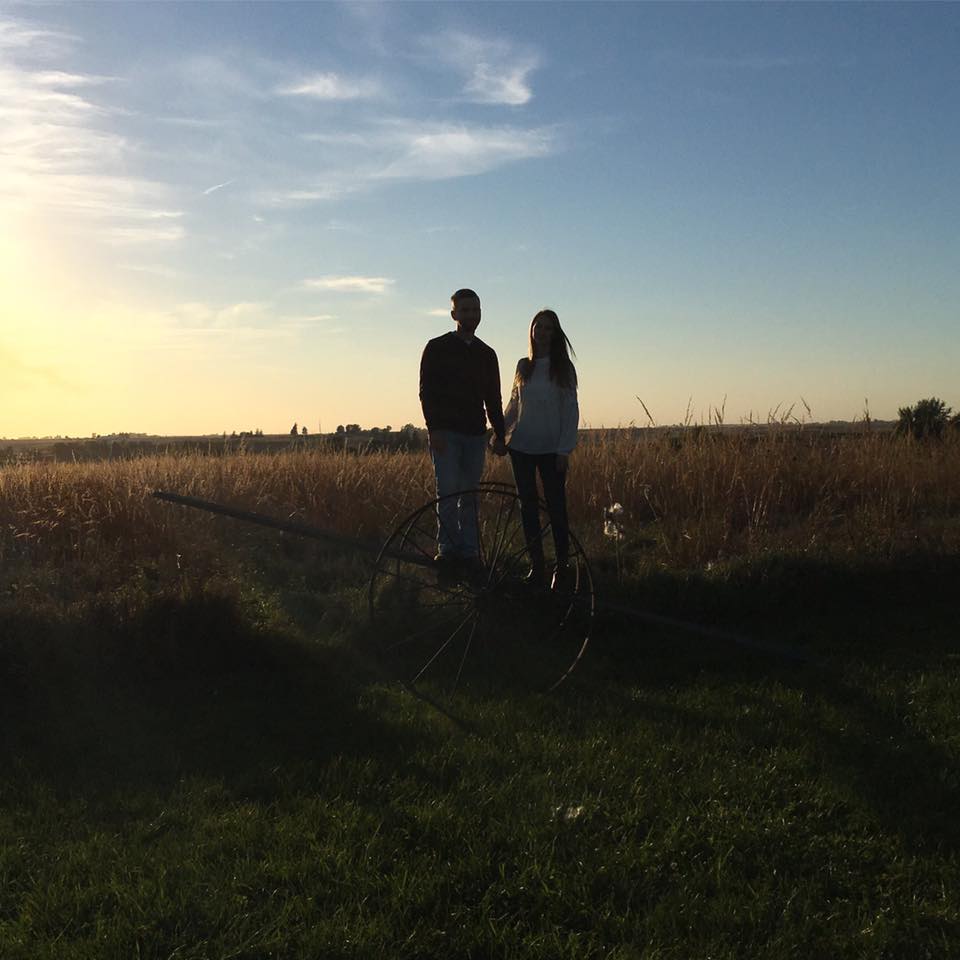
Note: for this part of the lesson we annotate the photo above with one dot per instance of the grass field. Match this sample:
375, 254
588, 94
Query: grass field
203, 759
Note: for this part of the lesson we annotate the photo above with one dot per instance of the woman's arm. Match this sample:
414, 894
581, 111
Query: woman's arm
513, 407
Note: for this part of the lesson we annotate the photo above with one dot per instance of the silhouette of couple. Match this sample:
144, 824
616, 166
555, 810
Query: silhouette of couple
460, 391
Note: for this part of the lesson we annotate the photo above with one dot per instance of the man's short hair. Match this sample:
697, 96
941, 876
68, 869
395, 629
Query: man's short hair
465, 293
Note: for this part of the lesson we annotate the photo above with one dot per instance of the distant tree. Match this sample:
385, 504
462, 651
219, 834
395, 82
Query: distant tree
340, 428
303, 431
409, 436
293, 430
924, 420
353, 428
387, 428
905, 421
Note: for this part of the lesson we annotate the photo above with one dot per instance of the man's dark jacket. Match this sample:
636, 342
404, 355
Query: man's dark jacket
457, 380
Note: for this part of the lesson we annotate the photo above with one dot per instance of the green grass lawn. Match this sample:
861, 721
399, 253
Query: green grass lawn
215, 767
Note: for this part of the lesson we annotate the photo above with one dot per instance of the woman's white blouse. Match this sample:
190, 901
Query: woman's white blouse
541, 417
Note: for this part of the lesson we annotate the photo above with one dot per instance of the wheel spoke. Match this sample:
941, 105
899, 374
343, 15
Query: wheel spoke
446, 643
463, 659
484, 551
544, 529
407, 539
424, 631
501, 535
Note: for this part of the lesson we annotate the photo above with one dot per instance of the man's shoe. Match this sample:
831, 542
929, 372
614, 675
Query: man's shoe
446, 569
536, 578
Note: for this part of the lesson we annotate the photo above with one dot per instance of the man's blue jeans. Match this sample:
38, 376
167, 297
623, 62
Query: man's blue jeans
459, 467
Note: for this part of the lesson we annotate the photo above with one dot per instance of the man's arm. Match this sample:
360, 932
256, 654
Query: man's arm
428, 403
493, 400
428, 399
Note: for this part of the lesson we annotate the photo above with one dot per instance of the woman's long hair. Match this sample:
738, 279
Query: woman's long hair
562, 370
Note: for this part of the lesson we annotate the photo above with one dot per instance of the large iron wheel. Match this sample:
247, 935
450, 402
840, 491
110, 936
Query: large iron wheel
444, 629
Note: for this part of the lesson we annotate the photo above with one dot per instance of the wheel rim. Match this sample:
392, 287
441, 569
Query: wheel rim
478, 628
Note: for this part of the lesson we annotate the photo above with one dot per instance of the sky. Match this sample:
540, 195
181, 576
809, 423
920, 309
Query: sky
219, 217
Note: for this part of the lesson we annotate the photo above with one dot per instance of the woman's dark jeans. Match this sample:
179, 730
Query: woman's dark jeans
525, 467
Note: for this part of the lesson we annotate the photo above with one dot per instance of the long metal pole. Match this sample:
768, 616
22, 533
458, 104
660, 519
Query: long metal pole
289, 526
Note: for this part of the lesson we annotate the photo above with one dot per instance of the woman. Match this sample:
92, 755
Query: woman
541, 431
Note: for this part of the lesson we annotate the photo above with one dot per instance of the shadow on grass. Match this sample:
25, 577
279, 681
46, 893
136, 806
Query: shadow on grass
870, 631
144, 696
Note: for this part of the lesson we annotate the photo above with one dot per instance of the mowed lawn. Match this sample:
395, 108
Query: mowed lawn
205, 760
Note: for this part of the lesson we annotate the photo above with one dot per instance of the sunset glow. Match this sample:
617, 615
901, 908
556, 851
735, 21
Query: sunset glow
221, 217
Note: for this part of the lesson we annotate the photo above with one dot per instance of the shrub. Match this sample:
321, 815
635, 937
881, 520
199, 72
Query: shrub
928, 418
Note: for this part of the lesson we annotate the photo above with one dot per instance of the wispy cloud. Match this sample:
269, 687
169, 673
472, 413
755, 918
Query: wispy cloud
332, 190
20, 35
59, 78
201, 323
349, 284
197, 123
489, 85
495, 71
413, 150
198, 323
217, 186
337, 139
151, 269
330, 86
220, 318
59, 156
445, 152
141, 234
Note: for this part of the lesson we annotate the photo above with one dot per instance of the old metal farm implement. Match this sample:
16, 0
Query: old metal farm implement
440, 632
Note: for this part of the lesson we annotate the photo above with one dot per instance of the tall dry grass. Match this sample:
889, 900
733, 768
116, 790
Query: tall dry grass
708, 496
689, 500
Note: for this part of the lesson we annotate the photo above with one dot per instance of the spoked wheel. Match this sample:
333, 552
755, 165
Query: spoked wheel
453, 626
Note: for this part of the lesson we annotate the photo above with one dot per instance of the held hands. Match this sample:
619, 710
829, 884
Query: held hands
563, 461
497, 447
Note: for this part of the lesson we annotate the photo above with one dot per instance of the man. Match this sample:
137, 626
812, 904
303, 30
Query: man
459, 379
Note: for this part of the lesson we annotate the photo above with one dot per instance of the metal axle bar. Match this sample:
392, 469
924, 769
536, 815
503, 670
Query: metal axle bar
290, 526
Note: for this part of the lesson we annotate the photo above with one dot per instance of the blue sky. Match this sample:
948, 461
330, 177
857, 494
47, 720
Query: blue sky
230, 216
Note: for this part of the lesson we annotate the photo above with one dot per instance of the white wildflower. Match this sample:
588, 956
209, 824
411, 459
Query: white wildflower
613, 522
613, 530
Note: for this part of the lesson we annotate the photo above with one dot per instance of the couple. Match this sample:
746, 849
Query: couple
459, 377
